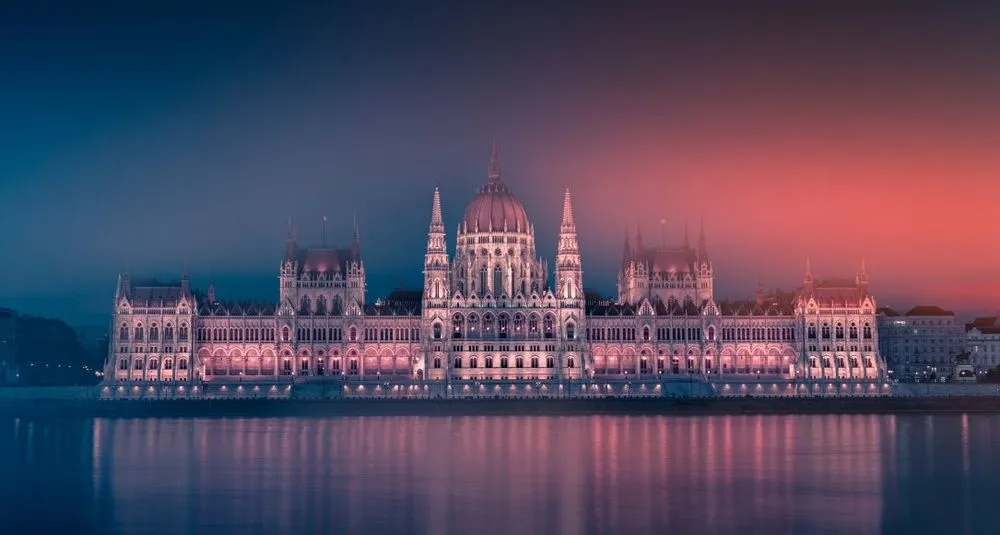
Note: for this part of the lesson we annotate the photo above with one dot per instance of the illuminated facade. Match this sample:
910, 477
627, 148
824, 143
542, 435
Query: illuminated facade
491, 313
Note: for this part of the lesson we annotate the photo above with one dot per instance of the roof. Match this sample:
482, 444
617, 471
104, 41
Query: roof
495, 208
886, 311
985, 325
325, 260
235, 308
153, 293
929, 310
678, 260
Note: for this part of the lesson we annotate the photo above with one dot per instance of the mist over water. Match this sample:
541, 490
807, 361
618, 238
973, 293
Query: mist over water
496, 474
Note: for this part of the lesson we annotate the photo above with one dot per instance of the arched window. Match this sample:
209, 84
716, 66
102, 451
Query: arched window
154, 333
811, 331
285, 334
550, 362
533, 324
437, 289
645, 333
519, 362
123, 364
182, 364
497, 281
153, 364
458, 363
437, 331
854, 331
489, 362
534, 362
304, 304
482, 281
867, 331
138, 333
570, 362
488, 323
437, 363
168, 364
840, 331
138, 364
474, 362
321, 305
353, 333
473, 325
168, 333
711, 334
548, 325
518, 323
826, 331
570, 331
458, 322
503, 362
123, 333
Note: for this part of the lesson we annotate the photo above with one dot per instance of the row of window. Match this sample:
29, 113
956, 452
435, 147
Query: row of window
841, 362
235, 334
838, 331
139, 334
154, 364
488, 362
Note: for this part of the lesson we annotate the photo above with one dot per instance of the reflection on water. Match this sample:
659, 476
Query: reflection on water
586, 474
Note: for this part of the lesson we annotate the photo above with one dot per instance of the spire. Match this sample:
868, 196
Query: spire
356, 236
687, 242
864, 270
627, 253
808, 282
663, 233
211, 293
760, 291
437, 220
495, 164
638, 238
185, 281
290, 241
324, 232
702, 242
567, 213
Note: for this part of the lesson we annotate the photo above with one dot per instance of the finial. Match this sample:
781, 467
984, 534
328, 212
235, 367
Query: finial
809, 271
687, 241
663, 232
357, 234
324, 232
436, 217
495, 164
864, 268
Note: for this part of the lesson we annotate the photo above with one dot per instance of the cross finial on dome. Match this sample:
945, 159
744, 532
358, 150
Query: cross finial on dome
495, 164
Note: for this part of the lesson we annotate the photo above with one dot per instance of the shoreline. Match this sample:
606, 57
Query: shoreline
488, 407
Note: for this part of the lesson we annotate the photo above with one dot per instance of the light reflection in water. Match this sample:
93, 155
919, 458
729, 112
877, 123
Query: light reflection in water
568, 474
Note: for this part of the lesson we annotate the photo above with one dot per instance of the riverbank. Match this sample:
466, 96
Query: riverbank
484, 407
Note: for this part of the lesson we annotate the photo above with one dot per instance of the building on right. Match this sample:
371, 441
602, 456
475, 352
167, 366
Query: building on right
982, 338
8, 347
921, 344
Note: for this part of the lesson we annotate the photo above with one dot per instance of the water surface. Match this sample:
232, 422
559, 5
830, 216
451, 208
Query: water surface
503, 474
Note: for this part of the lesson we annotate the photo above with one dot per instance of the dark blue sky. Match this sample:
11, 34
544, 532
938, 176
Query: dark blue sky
149, 135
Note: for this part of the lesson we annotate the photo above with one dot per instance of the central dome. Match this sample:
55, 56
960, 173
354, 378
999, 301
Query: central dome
495, 208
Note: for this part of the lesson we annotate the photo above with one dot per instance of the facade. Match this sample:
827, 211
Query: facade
8, 347
982, 339
922, 343
493, 311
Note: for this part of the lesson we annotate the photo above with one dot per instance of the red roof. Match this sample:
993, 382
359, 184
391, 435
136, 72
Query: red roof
929, 310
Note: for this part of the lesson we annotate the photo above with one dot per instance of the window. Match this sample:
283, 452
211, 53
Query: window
533, 324
518, 323
474, 362
437, 363
826, 331
502, 325
811, 333
168, 333
458, 363
138, 364
285, 334
868, 331
550, 362
548, 325
488, 323
497, 281
854, 331
570, 363
482, 281
519, 362
154, 333
840, 331
123, 364
503, 362
458, 323
570, 331
437, 331
645, 333
138, 333
534, 362
711, 334
168, 364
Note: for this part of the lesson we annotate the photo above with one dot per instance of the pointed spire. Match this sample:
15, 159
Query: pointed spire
567, 213
356, 236
809, 271
663, 233
495, 164
702, 242
185, 281
211, 293
864, 269
639, 246
290, 241
687, 241
760, 291
627, 253
436, 218
324, 232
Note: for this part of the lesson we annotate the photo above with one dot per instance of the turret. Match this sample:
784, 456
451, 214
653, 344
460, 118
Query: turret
569, 275
808, 284
436, 280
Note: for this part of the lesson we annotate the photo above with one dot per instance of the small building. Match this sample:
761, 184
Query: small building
921, 344
982, 337
8, 347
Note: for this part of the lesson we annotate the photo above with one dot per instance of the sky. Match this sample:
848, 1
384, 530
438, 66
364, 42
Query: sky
168, 134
